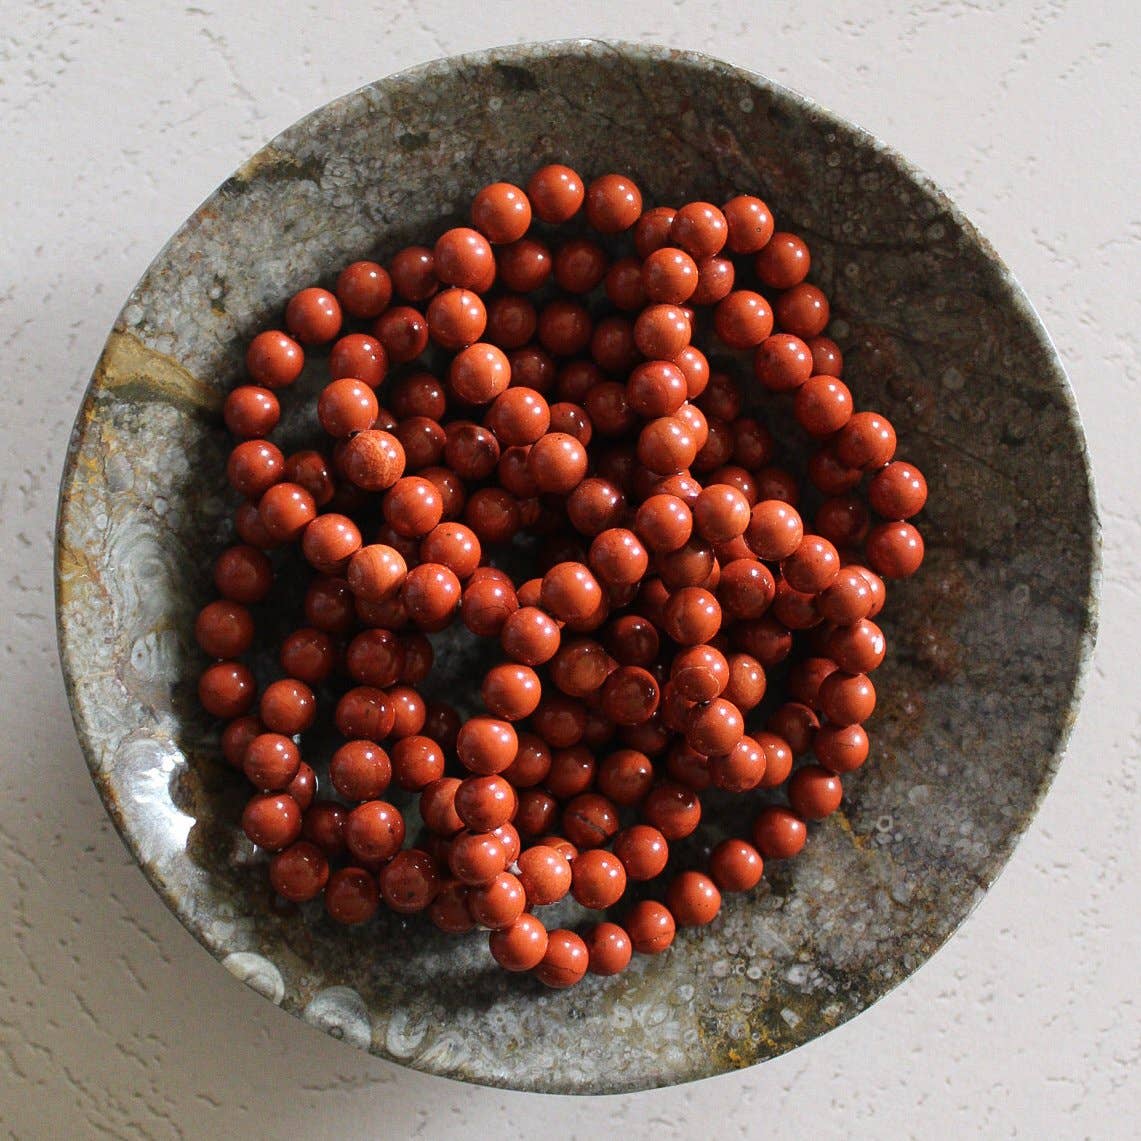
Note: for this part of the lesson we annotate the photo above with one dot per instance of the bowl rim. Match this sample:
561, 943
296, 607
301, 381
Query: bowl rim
585, 48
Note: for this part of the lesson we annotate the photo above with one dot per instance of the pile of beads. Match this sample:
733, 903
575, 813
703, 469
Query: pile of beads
573, 403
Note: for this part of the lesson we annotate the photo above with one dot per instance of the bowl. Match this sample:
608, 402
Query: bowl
988, 642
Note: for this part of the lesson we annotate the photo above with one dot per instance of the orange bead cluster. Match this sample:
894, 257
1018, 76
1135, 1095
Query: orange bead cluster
534, 387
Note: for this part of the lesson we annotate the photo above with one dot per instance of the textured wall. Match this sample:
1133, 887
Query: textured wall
118, 117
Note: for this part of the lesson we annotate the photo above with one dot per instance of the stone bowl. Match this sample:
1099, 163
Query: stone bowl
988, 643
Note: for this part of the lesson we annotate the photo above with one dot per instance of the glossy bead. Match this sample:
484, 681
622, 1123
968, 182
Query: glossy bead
746, 589
364, 289
487, 745
775, 530
895, 550
556, 193
778, 833
413, 271
898, 491
409, 881
572, 767
783, 262
814, 792
650, 926
847, 699
417, 762
224, 629
652, 231
271, 820
632, 640
630, 695
570, 592
778, 759
795, 723
700, 229
598, 879
841, 748
714, 727
661, 332
750, 224
740, 769
499, 903
236, 738
524, 265
484, 803
669, 276
271, 762
643, 852
537, 812
431, 595
313, 316
735, 865
286, 509
564, 962
520, 946
823, 405
565, 327
827, 360
782, 363
623, 285
486, 606
866, 442
274, 359
716, 277
518, 416
692, 616
580, 265
361, 357
456, 318
493, 514
501, 212
531, 763
848, 599
463, 257
403, 331
254, 466
608, 949
673, 809
545, 874
511, 691
557, 463
329, 541
374, 830
373, 460
613, 203
590, 820
479, 373
365, 713
251, 412
438, 806
743, 319
476, 857
226, 689
413, 506
580, 667
410, 711
721, 513
693, 899
511, 323
700, 673
857, 648
625, 776
802, 310
299, 873
813, 566
617, 557
351, 896
664, 523
328, 605
471, 451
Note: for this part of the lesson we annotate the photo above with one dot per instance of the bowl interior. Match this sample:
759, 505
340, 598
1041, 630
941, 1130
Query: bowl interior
987, 643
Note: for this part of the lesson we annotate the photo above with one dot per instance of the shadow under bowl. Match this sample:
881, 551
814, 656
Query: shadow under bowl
987, 644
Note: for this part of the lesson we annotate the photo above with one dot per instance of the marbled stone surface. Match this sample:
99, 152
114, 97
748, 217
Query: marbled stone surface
987, 642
